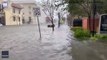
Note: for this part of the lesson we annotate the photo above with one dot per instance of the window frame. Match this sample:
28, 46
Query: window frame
14, 18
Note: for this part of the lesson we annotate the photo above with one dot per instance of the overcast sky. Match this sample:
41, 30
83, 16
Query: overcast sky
38, 0
24, 0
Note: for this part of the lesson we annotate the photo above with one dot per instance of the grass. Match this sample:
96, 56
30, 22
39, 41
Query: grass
100, 37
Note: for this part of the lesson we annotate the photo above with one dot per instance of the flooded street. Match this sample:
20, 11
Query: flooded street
26, 30
23, 43
56, 45
21, 21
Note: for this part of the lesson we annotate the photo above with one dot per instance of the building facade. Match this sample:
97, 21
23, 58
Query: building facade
11, 14
27, 11
17, 12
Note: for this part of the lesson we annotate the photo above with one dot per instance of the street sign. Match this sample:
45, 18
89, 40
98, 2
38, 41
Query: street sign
103, 24
5, 3
37, 11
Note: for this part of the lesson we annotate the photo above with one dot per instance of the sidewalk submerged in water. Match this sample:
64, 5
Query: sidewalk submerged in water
89, 50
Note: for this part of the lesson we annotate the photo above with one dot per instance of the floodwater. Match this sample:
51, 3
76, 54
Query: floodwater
88, 50
55, 46
23, 43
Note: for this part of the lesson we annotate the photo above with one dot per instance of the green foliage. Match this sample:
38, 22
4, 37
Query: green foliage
81, 34
104, 37
93, 38
100, 37
84, 7
75, 9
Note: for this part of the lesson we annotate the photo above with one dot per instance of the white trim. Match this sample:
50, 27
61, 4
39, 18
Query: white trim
99, 24
99, 32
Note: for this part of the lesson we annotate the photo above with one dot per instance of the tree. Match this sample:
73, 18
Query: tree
49, 7
61, 10
88, 8
85, 7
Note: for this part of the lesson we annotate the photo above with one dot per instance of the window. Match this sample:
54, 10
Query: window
14, 18
19, 11
19, 19
13, 10
29, 7
0, 6
23, 20
29, 20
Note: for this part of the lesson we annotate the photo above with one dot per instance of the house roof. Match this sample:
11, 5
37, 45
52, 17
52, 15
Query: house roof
16, 5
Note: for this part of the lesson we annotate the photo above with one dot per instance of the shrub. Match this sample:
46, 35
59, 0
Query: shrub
79, 33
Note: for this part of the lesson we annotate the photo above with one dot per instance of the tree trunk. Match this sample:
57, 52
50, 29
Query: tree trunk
59, 19
89, 23
53, 25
